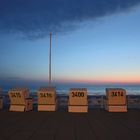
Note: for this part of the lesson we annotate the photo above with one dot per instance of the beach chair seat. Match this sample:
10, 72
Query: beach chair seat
116, 100
47, 99
78, 100
20, 100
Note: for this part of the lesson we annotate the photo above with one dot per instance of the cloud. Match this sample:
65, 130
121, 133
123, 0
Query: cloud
36, 18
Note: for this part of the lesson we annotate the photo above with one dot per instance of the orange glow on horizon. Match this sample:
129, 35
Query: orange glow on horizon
97, 80
103, 81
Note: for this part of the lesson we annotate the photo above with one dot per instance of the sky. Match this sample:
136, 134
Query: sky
92, 41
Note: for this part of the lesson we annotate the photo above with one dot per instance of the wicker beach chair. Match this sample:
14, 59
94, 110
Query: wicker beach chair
47, 99
19, 100
116, 100
78, 100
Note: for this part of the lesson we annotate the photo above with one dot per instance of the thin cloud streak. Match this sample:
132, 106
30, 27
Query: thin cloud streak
36, 18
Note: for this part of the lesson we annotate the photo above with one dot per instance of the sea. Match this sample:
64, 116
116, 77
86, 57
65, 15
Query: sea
63, 88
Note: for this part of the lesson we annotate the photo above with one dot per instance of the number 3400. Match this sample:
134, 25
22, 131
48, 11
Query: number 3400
77, 94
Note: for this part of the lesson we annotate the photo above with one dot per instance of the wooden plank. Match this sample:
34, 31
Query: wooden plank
95, 125
20, 126
100, 130
65, 129
130, 121
115, 128
82, 128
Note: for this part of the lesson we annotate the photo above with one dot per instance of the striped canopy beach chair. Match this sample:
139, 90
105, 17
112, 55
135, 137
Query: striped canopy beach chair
47, 99
20, 100
78, 100
116, 100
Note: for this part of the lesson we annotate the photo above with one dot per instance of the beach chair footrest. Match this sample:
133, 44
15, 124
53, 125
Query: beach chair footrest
19, 108
117, 108
47, 107
78, 109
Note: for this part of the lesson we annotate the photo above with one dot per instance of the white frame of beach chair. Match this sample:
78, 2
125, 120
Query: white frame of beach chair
78, 100
20, 100
47, 99
116, 100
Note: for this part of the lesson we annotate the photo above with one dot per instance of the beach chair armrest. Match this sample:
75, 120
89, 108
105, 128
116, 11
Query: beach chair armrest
29, 101
29, 104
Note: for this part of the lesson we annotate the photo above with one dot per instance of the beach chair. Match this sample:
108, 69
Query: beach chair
20, 100
1, 99
78, 100
116, 100
47, 99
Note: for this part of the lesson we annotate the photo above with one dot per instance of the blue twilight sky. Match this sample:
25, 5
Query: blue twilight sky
93, 41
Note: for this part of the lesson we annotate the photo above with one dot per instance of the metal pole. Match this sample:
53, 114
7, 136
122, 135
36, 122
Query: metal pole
50, 60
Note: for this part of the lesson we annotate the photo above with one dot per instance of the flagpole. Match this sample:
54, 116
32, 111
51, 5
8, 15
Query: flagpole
50, 60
